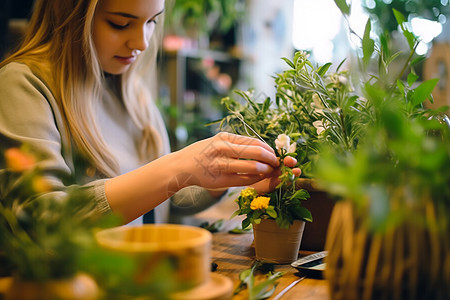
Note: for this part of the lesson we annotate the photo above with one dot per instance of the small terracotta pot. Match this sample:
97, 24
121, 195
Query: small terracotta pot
277, 245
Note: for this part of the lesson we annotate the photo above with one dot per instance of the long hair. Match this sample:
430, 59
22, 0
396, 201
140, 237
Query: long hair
58, 47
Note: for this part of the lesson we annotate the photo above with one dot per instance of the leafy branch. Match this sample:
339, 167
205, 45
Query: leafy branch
258, 290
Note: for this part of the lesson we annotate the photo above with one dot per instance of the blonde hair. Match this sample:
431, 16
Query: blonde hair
59, 48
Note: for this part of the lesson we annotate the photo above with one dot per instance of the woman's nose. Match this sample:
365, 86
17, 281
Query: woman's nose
140, 39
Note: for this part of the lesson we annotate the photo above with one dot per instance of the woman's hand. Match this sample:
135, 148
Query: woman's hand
226, 160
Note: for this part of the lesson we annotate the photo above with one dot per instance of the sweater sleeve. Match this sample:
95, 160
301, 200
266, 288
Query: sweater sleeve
29, 115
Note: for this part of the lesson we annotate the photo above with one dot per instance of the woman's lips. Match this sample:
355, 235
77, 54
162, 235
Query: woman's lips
126, 60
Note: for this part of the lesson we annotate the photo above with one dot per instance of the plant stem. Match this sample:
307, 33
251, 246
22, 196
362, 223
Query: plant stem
405, 65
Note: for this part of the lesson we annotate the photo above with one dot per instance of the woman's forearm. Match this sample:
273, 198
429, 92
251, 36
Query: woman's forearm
135, 193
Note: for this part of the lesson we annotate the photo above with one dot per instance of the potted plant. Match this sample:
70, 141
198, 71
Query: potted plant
47, 241
42, 237
278, 218
388, 234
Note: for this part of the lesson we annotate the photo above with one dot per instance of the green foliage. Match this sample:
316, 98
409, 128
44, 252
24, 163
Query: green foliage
363, 133
258, 290
203, 15
343, 6
283, 205
403, 150
47, 233
43, 235
383, 12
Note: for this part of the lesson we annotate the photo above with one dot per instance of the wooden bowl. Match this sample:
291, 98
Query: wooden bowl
187, 248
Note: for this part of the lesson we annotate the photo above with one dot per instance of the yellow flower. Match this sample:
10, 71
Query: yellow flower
260, 203
40, 184
248, 193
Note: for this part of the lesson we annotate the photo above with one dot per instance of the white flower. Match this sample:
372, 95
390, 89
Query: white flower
317, 103
283, 142
342, 79
292, 148
319, 126
304, 54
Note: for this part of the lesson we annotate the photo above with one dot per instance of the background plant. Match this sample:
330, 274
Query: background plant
334, 111
42, 236
382, 11
402, 154
204, 15
47, 233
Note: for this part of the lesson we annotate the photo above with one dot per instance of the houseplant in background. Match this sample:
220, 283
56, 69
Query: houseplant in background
388, 235
198, 19
365, 137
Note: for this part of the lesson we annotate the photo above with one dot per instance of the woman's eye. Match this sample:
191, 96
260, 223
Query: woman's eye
152, 21
117, 26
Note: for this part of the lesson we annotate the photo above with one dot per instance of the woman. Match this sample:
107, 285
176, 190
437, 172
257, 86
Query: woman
77, 88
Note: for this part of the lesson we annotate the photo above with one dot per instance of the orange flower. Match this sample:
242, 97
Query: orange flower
18, 160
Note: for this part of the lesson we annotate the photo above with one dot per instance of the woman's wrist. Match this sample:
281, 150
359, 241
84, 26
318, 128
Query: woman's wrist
217, 193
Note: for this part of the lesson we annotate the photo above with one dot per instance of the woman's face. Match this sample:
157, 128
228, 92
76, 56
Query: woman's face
122, 30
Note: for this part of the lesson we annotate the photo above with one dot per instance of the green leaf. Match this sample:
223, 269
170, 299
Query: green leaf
214, 227
239, 230
343, 6
246, 223
401, 20
265, 289
271, 212
410, 38
340, 64
399, 16
300, 194
266, 105
236, 213
423, 91
303, 213
323, 69
368, 45
401, 86
290, 63
412, 78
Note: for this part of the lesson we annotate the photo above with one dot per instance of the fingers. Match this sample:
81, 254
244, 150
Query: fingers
243, 140
296, 171
238, 166
289, 161
241, 147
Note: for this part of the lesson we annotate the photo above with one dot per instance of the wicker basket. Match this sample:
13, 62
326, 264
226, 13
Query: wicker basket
407, 261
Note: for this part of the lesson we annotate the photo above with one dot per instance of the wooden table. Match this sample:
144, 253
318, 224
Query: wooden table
234, 253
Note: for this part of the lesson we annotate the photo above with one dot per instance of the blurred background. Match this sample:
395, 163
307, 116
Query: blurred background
211, 47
